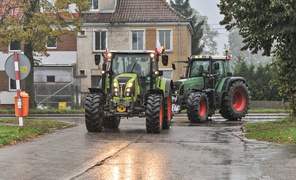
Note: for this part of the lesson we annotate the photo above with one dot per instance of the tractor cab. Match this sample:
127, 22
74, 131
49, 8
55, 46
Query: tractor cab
211, 69
132, 73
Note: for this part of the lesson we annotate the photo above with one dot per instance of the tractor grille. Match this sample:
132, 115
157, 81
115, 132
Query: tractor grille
123, 79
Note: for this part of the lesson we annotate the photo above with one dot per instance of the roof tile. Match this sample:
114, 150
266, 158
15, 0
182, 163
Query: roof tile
137, 11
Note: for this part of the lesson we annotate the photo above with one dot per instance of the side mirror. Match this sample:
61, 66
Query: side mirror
97, 59
165, 59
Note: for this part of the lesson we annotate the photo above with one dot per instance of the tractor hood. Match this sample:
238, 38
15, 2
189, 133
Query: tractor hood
188, 84
125, 78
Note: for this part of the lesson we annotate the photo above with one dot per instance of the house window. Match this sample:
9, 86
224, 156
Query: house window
50, 78
82, 32
51, 43
12, 84
138, 40
94, 5
165, 39
100, 40
82, 72
15, 46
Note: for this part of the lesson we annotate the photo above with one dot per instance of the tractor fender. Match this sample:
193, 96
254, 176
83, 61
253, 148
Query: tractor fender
95, 90
164, 84
100, 84
168, 86
230, 80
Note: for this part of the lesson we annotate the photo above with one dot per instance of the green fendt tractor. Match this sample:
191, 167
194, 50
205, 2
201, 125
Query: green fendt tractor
131, 86
209, 86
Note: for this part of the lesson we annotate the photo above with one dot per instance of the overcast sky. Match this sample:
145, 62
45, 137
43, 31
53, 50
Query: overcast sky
209, 8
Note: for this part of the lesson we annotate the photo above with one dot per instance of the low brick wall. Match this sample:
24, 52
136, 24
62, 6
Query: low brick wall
268, 105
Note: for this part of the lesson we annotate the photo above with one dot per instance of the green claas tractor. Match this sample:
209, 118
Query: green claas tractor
131, 86
209, 86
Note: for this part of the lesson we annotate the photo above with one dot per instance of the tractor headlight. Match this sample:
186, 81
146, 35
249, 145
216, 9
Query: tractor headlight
116, 91
128, 92
129, 85
130, 89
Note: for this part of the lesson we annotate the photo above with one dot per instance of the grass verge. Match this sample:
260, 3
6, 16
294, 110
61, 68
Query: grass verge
280, 131
10, 132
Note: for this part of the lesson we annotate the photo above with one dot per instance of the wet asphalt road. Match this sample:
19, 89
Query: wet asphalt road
214, 150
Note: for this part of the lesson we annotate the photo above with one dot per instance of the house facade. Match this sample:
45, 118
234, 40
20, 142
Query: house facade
69, 71
130, 25
54, 76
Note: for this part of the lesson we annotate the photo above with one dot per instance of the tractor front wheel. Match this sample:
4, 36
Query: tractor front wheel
236, 101
154, 113
93, 113
197, 107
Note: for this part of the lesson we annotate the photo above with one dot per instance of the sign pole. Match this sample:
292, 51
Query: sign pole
18, 90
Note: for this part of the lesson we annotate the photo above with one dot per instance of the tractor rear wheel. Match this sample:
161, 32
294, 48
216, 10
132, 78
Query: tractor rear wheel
154, 113
197, 107
111, 122
236, 102
93, 113
167, 110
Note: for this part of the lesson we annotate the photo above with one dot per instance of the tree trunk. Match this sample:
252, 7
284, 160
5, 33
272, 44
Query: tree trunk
29, 87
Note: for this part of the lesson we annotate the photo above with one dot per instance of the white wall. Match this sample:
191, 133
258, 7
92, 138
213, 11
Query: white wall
55, 58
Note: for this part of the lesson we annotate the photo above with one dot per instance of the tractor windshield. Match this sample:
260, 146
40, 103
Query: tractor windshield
218, 69
131, 63
198, 68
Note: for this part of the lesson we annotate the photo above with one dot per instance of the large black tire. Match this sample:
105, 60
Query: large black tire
111, 122
197, 107
236, 101
167, 111
154, 113
93, 113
